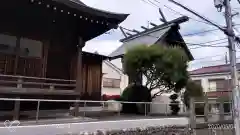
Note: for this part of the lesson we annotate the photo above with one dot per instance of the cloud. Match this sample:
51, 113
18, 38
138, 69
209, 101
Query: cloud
141, 12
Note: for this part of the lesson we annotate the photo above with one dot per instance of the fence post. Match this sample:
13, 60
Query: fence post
145, 110
221, 109
192, 119
19, 83
51, 87
76, 108
16, 109
166, 109
206, 109
84, 111
37, 115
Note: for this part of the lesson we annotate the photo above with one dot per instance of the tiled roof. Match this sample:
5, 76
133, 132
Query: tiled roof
79, 5
213, 69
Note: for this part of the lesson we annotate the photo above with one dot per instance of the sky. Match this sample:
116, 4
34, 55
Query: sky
142, 12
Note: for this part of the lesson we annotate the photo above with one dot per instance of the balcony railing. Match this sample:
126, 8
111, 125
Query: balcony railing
36, 82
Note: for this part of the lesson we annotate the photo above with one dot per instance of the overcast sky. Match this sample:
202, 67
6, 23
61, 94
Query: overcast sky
141, 13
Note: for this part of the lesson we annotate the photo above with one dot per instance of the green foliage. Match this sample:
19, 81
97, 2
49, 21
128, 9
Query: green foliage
174, 105
165, 68
173, 96
192, 90
135, 93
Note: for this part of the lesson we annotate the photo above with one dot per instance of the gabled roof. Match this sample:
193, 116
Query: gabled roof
148, 38
214, 69
103, 57
175, 21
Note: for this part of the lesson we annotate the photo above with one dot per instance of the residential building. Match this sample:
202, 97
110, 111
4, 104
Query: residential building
114, 80
215, 80
41, 51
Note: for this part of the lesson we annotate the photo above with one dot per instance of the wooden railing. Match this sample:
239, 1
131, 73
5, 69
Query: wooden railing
35, 82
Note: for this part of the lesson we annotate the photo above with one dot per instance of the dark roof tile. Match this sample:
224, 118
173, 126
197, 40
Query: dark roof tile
213, 69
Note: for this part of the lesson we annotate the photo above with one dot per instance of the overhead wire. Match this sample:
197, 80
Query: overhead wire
200, 45
176, 12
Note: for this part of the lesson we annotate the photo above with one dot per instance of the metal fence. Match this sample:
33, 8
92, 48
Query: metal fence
112, 110
88, 110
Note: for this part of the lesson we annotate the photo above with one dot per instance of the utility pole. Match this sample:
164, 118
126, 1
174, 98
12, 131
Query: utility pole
232, 54
234, 74
226, 58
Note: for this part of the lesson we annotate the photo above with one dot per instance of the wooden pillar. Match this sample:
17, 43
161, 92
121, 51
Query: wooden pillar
16, 111
17, 54
46, 45
79, 77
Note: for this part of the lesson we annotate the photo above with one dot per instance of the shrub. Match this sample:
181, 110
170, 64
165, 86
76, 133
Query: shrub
174, 105
135, 93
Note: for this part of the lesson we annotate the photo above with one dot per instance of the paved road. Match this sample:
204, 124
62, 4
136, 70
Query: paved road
62, 129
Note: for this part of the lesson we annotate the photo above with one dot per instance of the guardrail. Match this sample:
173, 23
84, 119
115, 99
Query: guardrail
103, 110
35, 82
111, 109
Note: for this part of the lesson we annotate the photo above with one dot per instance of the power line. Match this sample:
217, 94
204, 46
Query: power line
176, 12
201, 32
200, 45
213, 56
202, 58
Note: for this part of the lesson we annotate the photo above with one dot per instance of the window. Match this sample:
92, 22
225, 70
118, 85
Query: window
7, 44
212, 85
31, 48
28, 47
198, 82
112, 83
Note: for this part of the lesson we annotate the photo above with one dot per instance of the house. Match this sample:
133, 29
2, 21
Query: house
114, 80
216, 81
41, 50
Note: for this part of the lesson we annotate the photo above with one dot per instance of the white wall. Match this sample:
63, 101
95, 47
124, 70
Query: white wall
205, 79
117, 62
110, 72
161, 105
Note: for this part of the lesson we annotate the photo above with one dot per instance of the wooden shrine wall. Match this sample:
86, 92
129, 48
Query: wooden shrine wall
91, 74
27, 66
